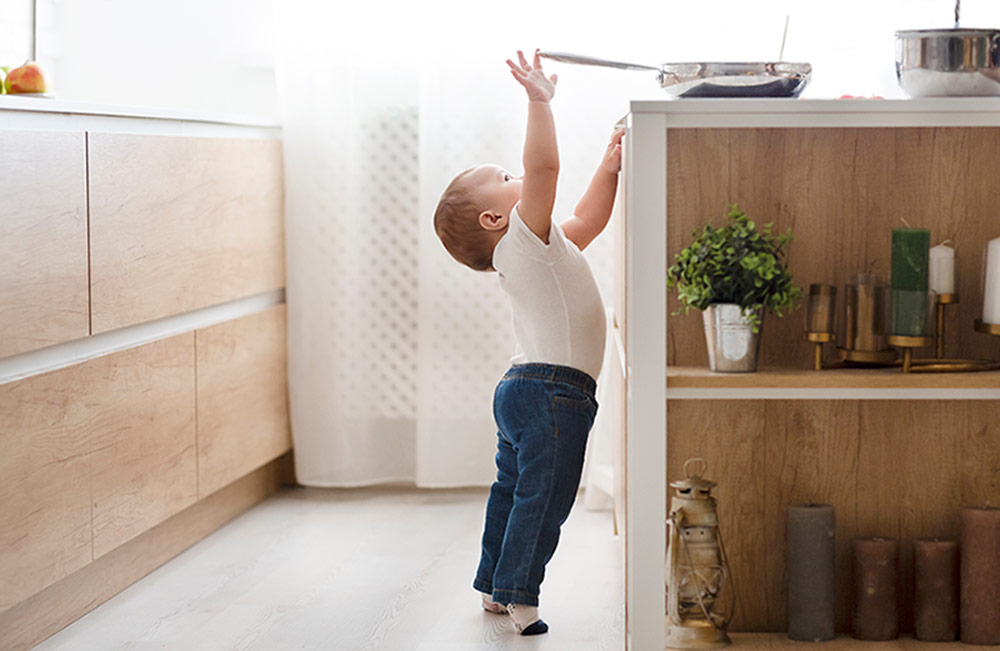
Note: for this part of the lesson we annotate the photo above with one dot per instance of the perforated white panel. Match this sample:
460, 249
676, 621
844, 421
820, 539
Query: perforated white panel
395, 348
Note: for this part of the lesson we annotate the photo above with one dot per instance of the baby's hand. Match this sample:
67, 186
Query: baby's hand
540, 88
612, 161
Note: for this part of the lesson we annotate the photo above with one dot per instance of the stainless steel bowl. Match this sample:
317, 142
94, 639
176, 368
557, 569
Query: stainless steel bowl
948, 62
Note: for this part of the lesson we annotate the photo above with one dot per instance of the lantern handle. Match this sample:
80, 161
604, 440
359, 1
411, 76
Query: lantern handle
697, 475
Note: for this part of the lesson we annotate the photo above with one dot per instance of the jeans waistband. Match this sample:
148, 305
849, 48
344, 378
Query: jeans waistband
554, 373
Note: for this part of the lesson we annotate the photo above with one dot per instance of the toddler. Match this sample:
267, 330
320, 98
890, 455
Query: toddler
544, 406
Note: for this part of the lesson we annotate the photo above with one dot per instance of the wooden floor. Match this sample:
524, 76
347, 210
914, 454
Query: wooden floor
358, 569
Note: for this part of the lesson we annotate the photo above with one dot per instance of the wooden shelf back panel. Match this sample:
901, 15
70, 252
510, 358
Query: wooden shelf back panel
841, 191
242, 397
896, 469
43, 240
182, 223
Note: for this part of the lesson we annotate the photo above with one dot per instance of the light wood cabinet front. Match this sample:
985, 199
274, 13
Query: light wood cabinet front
181, 223
143, 419
43, 239
93, 454
242, 397
44, 482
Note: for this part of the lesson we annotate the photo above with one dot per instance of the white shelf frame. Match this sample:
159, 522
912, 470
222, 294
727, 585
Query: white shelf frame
646, 310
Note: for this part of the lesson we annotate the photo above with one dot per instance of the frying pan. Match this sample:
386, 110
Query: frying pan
713, 79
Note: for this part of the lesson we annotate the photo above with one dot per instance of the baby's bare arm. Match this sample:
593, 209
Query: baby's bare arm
541, 154
594, 209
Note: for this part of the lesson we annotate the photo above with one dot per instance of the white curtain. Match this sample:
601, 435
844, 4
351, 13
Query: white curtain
394, 349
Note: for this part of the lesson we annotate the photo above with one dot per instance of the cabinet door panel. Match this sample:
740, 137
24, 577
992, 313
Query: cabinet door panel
242, 397
93, 455
44, 483
43, 239
143, 420
181, 223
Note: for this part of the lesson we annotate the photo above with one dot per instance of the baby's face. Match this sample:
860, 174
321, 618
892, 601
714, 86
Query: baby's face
495, 188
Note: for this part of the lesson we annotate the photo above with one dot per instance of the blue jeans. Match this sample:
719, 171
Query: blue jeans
544, 413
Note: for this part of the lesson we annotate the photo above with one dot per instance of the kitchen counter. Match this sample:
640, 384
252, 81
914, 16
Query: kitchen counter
51, 113
708, 113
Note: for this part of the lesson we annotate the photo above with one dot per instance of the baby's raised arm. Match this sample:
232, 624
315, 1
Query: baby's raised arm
541, 153
592, 213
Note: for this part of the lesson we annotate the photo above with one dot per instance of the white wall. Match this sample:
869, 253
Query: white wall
215, 56
15, 32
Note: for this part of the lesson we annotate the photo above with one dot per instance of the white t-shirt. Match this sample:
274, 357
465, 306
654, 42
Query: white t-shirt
558, 312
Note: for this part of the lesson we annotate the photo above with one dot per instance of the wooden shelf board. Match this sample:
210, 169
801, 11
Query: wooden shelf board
681, 377
773, 641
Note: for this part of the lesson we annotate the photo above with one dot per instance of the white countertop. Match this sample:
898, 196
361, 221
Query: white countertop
55, 105
768, 112
47, 113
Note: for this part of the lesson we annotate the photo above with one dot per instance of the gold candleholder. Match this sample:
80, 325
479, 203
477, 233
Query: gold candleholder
818, 339
908, 343
820, 312
987, 328
940, 301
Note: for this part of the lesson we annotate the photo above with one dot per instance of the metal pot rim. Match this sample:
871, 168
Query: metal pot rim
959, 32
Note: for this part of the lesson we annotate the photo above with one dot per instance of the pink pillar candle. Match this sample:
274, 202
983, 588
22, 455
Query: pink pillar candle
935, 604
980, 606
875, 573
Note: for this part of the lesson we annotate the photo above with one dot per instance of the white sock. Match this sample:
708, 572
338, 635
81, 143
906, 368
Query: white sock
523, 616
492, 606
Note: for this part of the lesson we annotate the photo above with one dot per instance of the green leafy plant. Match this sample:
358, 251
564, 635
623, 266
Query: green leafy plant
735, 264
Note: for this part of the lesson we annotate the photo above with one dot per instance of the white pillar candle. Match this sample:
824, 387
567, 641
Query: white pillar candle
942, 269
991, 297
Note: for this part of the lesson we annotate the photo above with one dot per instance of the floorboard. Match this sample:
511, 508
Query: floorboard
358, 569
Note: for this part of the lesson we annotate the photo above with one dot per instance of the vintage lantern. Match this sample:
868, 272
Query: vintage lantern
700, 595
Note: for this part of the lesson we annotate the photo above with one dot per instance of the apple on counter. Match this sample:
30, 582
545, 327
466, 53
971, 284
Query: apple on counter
27, 78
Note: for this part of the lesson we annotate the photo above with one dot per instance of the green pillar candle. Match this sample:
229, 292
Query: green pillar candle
910, 258
910, 266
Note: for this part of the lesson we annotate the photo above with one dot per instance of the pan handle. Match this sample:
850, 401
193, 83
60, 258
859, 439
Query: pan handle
565, 57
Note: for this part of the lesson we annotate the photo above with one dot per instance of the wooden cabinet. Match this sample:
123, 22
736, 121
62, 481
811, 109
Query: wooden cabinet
897, 455
242, 398
150, 268
43, 239
180, 223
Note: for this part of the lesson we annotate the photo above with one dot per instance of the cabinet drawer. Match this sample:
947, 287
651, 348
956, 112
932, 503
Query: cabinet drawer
179, 223
43, 239
94, 454
242, 397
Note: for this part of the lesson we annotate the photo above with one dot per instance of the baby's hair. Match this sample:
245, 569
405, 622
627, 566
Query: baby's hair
456, 222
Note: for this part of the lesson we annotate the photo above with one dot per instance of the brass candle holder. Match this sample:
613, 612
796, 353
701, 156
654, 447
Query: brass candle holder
940, 301
908, 343
820, 312
818, 339
866, 313
941, 365
987, 328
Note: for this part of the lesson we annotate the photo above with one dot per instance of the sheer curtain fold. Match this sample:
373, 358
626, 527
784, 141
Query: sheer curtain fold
394, 348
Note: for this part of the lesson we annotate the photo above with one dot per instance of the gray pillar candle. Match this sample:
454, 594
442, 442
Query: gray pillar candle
874, 574
811, 571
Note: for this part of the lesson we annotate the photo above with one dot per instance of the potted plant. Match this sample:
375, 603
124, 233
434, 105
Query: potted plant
733, 274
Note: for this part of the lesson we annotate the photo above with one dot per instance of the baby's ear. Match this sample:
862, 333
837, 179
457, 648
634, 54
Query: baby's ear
492, 221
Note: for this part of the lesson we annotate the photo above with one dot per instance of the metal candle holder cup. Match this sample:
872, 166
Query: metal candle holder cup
866, 317
820, 311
